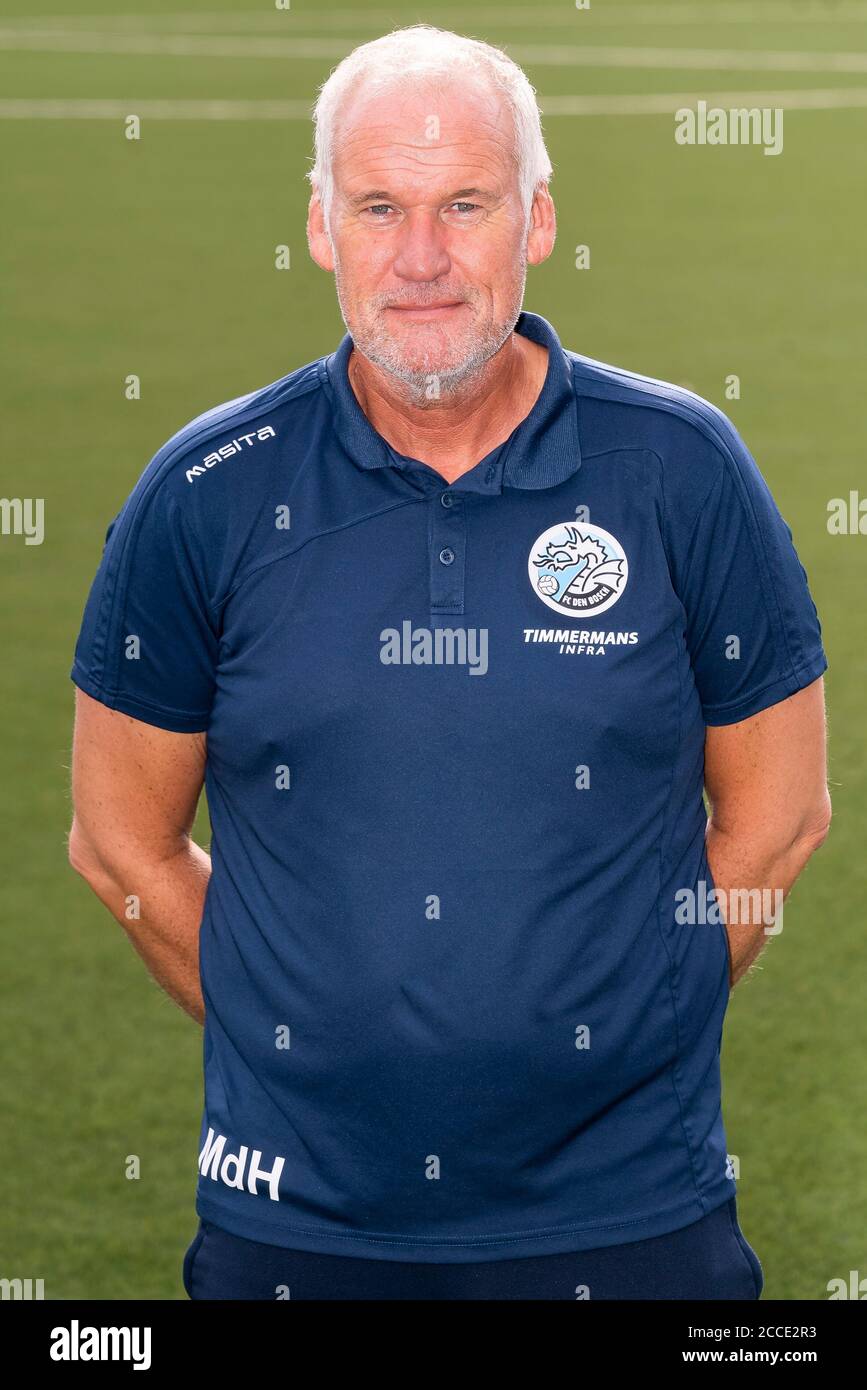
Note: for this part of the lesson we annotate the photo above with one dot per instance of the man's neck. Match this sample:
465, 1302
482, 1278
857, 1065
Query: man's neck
453, 435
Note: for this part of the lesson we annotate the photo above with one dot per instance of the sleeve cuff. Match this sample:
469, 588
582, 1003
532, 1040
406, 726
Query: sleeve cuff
749, 705
176, 721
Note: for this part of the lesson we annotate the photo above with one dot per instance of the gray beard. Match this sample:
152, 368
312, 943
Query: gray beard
426, 387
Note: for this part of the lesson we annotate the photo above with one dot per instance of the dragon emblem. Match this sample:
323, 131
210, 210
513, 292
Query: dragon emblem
579, 568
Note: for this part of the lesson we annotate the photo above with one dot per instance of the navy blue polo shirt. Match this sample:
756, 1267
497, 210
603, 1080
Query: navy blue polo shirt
455, 756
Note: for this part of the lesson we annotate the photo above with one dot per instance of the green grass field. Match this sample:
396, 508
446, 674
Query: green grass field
156, 258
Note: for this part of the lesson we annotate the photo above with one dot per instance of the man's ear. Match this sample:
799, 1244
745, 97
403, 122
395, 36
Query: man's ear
542, 231
318, 240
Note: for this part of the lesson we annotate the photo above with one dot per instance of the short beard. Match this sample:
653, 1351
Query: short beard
449, 382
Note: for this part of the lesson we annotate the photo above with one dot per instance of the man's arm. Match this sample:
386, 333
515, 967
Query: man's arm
135, 789
766, 779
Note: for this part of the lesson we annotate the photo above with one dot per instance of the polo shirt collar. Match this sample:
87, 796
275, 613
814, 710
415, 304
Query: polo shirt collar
542, 451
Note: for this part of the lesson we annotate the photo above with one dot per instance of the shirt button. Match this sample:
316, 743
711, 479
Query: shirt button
446, 499
446, 556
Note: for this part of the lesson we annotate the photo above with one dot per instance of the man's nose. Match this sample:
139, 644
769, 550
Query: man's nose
422, 253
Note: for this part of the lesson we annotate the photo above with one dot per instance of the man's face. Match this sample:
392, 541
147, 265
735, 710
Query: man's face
428, 236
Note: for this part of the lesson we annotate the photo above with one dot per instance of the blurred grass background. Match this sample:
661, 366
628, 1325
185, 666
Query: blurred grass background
156, 258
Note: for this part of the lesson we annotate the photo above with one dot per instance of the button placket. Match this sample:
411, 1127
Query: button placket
447, 548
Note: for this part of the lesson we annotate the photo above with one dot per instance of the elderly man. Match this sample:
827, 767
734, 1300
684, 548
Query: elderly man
455, 626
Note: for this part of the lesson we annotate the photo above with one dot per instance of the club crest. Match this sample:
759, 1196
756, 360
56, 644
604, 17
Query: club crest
578, 568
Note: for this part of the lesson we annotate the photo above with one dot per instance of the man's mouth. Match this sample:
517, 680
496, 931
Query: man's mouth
439, 309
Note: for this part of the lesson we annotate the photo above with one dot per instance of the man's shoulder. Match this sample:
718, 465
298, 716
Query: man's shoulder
661, 416
237, 432
210, 492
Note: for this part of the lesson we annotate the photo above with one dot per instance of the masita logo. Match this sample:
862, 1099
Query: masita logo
578, 568
243, 441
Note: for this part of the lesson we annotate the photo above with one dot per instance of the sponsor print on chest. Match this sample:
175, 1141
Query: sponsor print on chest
579, 570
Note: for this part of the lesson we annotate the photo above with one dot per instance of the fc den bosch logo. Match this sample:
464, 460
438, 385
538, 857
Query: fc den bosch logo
578, 568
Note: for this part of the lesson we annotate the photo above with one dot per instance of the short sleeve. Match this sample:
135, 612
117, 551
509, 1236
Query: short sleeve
752, 629
148, 645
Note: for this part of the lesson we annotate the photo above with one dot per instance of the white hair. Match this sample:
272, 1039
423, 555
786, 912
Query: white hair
403, 58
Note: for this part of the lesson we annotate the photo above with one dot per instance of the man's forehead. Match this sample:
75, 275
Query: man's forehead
432, 118
442, 126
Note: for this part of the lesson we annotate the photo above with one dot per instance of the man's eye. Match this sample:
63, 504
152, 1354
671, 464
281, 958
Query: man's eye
379, 211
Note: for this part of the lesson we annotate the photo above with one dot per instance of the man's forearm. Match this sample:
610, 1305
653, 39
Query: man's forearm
753, 876
159, 905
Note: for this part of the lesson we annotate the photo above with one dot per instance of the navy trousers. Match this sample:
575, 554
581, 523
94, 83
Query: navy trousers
710, 1260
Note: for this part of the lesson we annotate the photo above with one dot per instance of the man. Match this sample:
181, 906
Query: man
455, 625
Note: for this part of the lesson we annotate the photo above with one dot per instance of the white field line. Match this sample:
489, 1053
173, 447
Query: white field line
705, 59
170, 45
654, 104
547, 16
556, 55
110, 109
662, 104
